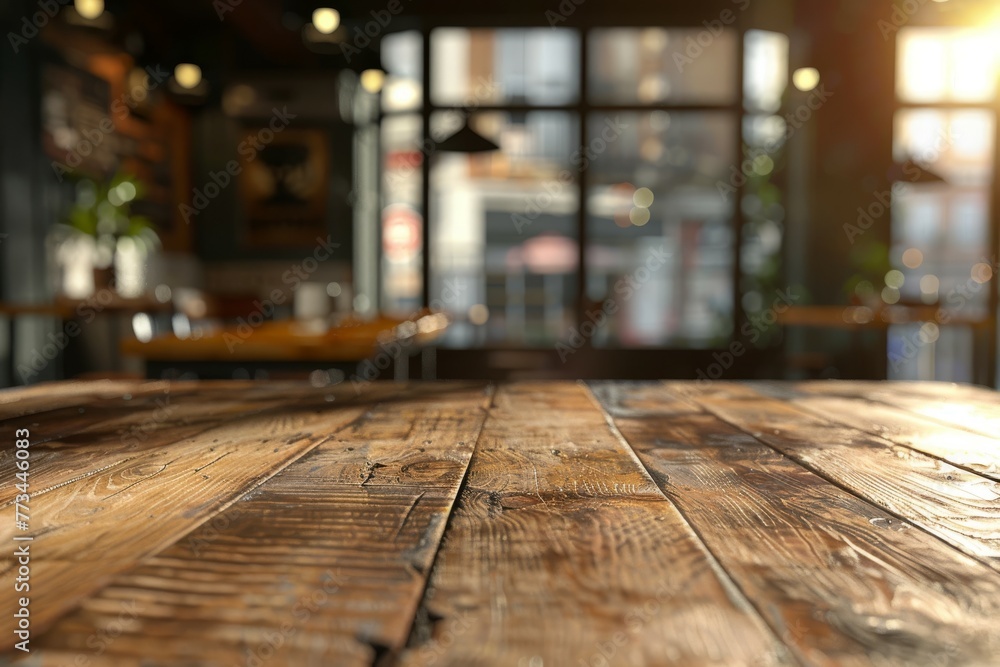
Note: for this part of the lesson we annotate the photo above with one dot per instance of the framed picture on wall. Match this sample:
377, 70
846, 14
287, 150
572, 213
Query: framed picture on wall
75, 116
283, 186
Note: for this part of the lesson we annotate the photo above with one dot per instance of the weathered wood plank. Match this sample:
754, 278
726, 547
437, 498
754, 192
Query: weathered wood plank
40, 399
562, 551
972, 451
964, 407
323, 564
96, 438
905, 388
843, 582
960, 507
108, 520
104, 410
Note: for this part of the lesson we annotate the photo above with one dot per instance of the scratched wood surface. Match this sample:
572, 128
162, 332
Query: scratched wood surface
843, 581
526, 524
958, 506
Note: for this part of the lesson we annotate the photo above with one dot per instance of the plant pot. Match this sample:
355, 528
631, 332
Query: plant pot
104, 278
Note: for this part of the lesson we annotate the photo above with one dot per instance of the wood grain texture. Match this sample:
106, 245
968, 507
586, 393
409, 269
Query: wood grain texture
958, 506
972, 451
272, 524
17, 402
562, 551
841, 581
101, 523
323, 564
964, 407
73, 443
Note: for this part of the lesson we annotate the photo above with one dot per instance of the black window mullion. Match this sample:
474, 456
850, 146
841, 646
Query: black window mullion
425, 167
739, 314
583, 111
583, 108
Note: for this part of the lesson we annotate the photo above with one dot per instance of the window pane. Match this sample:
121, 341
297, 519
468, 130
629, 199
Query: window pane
504, 247
765, 70
526, 66
946, 64
957, 145
402, 59
661, 233
928, 352
945, 224
401, 221
654, 65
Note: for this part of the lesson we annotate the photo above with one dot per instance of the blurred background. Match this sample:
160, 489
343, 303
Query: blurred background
393, 189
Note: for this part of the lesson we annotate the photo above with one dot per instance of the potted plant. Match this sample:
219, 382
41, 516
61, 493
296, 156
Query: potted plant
102, 214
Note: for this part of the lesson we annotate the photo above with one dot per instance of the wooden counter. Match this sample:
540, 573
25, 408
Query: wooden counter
520, 525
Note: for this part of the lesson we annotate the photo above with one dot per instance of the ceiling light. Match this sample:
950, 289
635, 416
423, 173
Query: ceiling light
187, 75
372, 80
326, 20
89, 9
805, 78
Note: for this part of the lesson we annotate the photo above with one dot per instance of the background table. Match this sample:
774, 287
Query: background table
530, 524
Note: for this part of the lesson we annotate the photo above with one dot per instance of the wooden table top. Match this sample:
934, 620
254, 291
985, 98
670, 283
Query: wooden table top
67, 308
863, 317
294, 341
522, 525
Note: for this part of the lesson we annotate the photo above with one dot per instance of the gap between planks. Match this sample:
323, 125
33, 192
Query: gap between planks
980, 548
894, 561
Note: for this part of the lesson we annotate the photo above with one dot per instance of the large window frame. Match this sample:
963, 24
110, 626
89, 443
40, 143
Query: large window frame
604, 362
984, 358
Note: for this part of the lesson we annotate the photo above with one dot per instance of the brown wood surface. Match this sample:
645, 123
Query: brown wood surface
529, 524
969, 450
842, 581
562, 549
363, 512
965, 407
956, 505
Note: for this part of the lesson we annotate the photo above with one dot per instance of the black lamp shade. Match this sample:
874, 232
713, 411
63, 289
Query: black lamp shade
467, 140
911, 171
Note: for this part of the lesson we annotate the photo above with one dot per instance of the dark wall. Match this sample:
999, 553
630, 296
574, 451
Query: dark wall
850, 137
29, 196
219, 228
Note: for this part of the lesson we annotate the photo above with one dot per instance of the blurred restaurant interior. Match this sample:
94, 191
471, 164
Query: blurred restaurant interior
507, 189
